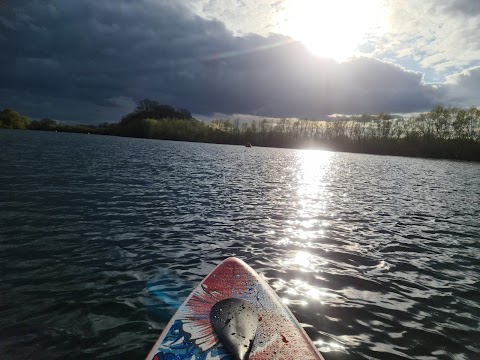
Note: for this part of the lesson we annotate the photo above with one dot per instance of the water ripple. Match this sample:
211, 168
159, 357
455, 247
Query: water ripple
101, 238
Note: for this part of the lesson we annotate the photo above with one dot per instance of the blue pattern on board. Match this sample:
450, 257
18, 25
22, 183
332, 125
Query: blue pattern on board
186, 349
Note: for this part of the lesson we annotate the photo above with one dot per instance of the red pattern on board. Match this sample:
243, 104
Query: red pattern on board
279, 336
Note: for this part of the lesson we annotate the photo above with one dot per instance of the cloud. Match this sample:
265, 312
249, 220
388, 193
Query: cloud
442, 35
121, 101
241, 16
463, 89
288, 81
463, 7
89, 61
67, 110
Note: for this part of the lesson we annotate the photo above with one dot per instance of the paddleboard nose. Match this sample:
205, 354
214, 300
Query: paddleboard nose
235, 322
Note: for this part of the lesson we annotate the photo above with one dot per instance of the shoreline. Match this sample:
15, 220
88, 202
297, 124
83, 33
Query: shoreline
381, 148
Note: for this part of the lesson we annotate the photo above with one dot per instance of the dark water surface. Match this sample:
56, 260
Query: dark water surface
101, 237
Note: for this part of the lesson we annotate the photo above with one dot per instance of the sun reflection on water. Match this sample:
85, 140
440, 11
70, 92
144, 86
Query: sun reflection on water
308, 230
324, 346
304, 238
300, 261
313, 168
299, 292
313, 165
303, 258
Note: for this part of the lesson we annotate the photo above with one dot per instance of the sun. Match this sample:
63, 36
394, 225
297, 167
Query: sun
332, 28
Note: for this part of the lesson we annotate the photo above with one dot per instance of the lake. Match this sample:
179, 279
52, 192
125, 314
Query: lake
102, 237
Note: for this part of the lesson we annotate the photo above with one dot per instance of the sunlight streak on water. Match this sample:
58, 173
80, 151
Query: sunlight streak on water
313, 167
303, 258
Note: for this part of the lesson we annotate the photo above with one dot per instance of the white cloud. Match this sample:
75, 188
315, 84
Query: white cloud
463, 89
241, 16
442, 35
430, 34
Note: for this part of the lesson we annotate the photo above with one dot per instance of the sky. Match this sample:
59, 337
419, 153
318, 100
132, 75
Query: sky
90, 61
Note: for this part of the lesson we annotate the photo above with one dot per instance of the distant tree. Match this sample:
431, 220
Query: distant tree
25, 122
384, 116
362, 118
163, 112
354, 130
44, 124
383, 129
460, 124
185, 114
146, 105
439, 118
442, 132
236, 126
150, 109
48, 124
10, 119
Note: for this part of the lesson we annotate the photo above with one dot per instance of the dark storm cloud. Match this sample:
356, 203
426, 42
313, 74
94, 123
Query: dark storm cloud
87, 61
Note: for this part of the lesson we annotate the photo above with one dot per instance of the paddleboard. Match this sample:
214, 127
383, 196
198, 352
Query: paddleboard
192, 332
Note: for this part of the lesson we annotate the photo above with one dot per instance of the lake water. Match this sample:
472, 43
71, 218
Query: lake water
377, 256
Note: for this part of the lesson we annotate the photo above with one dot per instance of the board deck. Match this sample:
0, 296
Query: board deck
190, 335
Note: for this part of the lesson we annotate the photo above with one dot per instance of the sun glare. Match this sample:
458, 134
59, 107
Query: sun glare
332, 28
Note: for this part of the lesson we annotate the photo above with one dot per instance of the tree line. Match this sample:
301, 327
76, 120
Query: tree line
444, 132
